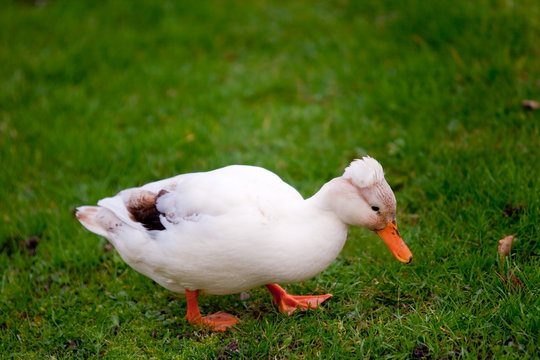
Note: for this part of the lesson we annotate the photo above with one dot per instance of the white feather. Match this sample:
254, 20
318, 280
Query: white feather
365, 172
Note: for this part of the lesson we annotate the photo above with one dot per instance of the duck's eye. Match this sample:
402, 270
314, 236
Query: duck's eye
375, 208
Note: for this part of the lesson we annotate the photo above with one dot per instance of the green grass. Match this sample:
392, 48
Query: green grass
98, 96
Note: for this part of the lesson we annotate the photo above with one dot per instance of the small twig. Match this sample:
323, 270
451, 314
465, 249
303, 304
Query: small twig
445, 330
500, 276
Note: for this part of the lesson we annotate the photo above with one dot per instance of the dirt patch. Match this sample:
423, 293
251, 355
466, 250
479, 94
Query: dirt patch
17, 242
30, 244
421, 352
513, 211
230, 350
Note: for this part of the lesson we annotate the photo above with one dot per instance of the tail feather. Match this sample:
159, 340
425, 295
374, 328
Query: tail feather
98, 220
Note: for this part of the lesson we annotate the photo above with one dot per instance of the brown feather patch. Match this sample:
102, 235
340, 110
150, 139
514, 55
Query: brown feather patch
142, 208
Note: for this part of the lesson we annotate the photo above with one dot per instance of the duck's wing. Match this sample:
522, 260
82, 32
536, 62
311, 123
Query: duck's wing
192, 197
226, 191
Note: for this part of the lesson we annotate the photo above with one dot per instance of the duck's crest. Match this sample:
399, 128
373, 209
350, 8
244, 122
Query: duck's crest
364, 172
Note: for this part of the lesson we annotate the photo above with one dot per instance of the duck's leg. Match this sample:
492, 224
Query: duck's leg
289, 303
219, 321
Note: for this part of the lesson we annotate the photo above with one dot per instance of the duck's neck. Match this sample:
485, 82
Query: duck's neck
328, 196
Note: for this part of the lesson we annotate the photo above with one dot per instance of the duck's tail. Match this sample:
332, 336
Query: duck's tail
98, 220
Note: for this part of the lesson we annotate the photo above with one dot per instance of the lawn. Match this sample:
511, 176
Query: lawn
97, 96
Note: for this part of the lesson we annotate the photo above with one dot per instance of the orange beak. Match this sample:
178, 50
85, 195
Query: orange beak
392, 239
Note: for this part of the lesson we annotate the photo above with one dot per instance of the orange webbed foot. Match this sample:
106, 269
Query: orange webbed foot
290, 303
219, 321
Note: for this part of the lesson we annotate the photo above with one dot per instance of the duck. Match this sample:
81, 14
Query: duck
240, 227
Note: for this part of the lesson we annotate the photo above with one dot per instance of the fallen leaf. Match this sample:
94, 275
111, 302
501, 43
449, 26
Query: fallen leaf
530, 104
505, 245
516, 281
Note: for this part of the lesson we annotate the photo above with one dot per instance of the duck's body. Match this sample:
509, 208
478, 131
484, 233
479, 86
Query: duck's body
227, 230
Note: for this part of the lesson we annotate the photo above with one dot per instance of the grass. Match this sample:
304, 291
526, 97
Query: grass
99, 96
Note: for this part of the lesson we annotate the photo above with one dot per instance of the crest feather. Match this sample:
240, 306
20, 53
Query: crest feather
364, 172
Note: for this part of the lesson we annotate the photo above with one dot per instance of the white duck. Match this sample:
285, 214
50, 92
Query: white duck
239, 227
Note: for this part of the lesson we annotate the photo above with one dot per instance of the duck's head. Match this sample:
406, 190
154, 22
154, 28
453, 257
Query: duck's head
364, 198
